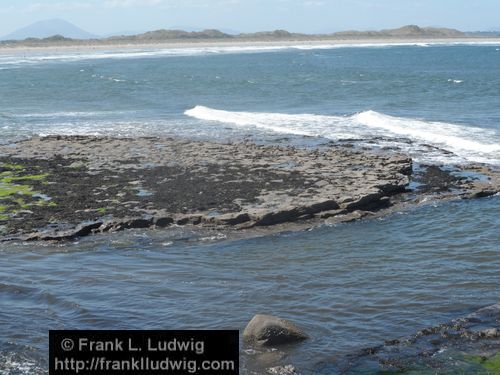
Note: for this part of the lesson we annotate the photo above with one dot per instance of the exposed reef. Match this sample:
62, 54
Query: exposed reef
62, 187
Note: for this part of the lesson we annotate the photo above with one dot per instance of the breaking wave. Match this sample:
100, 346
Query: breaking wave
428, 139
14, 59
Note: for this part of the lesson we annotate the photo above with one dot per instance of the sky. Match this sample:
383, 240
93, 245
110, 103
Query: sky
103, 17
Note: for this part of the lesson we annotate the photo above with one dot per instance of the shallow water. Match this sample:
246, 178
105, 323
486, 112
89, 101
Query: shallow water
349, 286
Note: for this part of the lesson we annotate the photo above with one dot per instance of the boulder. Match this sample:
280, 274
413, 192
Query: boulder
270, 330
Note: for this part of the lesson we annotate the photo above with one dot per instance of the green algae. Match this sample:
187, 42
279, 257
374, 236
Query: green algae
490, 364
33, 177
493, 364
21, 203
101, 210
16, 192
8, 189
12, 167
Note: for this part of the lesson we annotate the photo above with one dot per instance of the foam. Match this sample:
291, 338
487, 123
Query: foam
14, 363
68, 114
36, 58
469, 144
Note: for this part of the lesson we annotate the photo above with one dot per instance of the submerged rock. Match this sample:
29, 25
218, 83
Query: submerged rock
270, 330
466, 345
282, 370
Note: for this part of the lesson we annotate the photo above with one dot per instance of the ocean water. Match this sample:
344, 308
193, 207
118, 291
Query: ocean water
440, 103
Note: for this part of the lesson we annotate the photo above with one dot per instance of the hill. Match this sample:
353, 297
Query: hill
174, 34
71, 35
48, 28
409, 31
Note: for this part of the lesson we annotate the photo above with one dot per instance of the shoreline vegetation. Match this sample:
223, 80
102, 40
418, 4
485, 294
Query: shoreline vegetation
64, 187
178, 38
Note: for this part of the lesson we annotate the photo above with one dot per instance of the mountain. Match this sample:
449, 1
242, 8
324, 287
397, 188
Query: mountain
48, 28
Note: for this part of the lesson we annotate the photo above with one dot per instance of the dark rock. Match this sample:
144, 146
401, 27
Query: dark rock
277, 217
483, 194
190, 219
162, 222
368, 201
86, 229
233, 219
433, 178
270, 330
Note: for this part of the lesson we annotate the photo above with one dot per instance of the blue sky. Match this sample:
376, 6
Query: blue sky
108, 16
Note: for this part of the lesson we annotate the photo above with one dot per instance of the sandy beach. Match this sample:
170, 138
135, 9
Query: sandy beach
89, 46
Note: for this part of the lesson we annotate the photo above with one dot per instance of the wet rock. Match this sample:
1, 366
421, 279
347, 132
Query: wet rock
162, 222
436, 179
131, 223
482, 194
81, 230
232, 219
489, 333
369, 200
330, 213
189, 219
282, 370
270, 330
270, 358
86, 229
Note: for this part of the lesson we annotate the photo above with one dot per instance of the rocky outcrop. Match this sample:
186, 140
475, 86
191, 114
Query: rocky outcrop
268, 330
95, 185
62, 187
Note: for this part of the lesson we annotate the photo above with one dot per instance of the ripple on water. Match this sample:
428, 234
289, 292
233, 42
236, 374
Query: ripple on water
348, 286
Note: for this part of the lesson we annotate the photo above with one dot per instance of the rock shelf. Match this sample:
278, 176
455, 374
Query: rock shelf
62, 187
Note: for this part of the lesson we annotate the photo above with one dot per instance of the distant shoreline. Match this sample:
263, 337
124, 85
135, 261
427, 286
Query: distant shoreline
85, 45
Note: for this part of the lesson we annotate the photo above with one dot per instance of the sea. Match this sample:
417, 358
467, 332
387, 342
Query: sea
350, 285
